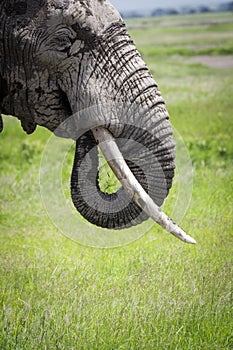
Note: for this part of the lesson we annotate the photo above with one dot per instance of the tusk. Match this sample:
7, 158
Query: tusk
117, 163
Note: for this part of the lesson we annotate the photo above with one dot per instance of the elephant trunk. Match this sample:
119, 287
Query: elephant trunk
139, 124
138, 120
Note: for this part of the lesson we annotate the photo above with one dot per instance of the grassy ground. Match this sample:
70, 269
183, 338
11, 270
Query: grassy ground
156, 293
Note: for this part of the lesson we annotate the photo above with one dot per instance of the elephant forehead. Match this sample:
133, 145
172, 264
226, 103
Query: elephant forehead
60, 4
93, 15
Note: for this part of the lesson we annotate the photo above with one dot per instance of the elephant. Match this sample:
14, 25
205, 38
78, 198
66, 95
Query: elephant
60, 60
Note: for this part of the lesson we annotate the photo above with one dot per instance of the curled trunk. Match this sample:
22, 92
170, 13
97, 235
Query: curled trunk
152, 165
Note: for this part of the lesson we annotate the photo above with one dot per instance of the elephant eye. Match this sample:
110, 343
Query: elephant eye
60, 43
61, 39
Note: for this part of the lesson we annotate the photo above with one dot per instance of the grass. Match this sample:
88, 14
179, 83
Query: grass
155, 293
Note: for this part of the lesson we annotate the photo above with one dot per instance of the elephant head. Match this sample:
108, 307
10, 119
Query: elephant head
60, 60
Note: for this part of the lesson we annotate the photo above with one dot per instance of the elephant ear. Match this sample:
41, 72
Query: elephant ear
3, 89
3, 93
1, 123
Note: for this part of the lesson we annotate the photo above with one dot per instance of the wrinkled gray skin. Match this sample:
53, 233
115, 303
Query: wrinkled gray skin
59, 57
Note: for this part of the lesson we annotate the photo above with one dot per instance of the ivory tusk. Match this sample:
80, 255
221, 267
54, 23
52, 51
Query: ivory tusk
123, 173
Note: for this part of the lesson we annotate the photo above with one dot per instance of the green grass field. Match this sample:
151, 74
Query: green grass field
155, 293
